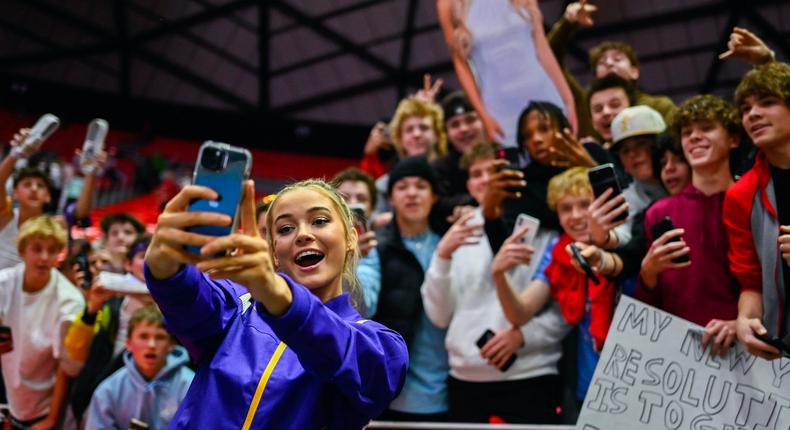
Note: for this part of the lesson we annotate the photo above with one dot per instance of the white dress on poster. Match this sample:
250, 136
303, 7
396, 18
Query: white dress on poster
504, 61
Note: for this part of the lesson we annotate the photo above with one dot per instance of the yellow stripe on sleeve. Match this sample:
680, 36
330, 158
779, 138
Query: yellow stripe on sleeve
256, 399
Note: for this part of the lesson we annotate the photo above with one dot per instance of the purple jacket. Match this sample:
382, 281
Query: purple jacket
320, 365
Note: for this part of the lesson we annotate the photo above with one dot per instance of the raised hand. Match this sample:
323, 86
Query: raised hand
427, 94
660, 255
568, 152
580, 13
18, 149
500, 187
591, 253
166, 254
747, 46
461, 233
602, 215
246, 259
513, 252
378, 139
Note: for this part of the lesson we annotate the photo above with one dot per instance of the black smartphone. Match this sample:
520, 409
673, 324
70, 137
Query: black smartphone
514, 162
359, 218
5, 334
585, 265
776, 342
223, 168
85, 267
602, 178
662, 227
483, 340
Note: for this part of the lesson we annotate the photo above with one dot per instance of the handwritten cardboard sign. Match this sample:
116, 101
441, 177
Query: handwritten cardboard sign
655, 374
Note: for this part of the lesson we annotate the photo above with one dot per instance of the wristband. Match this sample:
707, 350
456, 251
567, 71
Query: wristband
88, 317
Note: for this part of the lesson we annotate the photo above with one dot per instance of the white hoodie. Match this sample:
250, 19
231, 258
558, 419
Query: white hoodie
460, 294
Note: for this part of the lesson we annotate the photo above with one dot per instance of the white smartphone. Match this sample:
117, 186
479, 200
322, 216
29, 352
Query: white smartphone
532, 231
122, 283
41, 130
94, 139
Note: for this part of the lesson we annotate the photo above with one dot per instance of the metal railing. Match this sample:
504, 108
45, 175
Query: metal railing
394, 425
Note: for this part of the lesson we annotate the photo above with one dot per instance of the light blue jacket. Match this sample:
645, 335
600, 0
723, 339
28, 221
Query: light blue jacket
126, 394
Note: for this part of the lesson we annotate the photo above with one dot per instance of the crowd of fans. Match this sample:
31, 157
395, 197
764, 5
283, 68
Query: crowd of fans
499, 328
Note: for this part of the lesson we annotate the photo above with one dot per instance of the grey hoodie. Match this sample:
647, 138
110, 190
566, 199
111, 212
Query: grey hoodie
126, 394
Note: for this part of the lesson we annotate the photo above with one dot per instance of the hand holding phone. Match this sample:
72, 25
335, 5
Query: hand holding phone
584, 264
602, 178
532, 229
41, 131
664, 225
93, 145
483, 340
776, 342
223, 168
84, 266
360, 221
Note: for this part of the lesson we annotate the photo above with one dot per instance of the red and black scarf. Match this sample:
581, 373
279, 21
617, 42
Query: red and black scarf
570, 289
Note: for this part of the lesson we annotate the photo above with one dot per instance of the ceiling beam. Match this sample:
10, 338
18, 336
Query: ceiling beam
773, 35
264, 51
340, 52
25, 32
336, 38
179, 72
332, 14
202, 42
365, 87
715, 63
405, 53
124, 77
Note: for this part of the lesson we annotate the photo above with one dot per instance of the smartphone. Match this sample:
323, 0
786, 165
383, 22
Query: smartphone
514, 162
121, 283
585, 265
223, 168
136, 424
85, 266
662, 227
5, 333
483, 340
602, 178
534, 225
5, 337
359, 218
41, 131
94, 140
776, 342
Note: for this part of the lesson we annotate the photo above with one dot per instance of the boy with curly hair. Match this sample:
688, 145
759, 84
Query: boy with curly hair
700, 289
757, 212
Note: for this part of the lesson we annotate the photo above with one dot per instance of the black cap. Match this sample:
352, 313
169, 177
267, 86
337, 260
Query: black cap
412, 166
456, 103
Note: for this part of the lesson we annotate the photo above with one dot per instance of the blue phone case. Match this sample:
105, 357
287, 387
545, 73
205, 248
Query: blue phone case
227, 181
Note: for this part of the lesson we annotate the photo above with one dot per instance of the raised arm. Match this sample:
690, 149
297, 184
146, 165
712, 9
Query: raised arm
437, 288
519, 307
85, 200
196, 308
550, 64
464, 72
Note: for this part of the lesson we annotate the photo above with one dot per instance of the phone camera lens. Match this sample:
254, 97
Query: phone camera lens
214, 159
